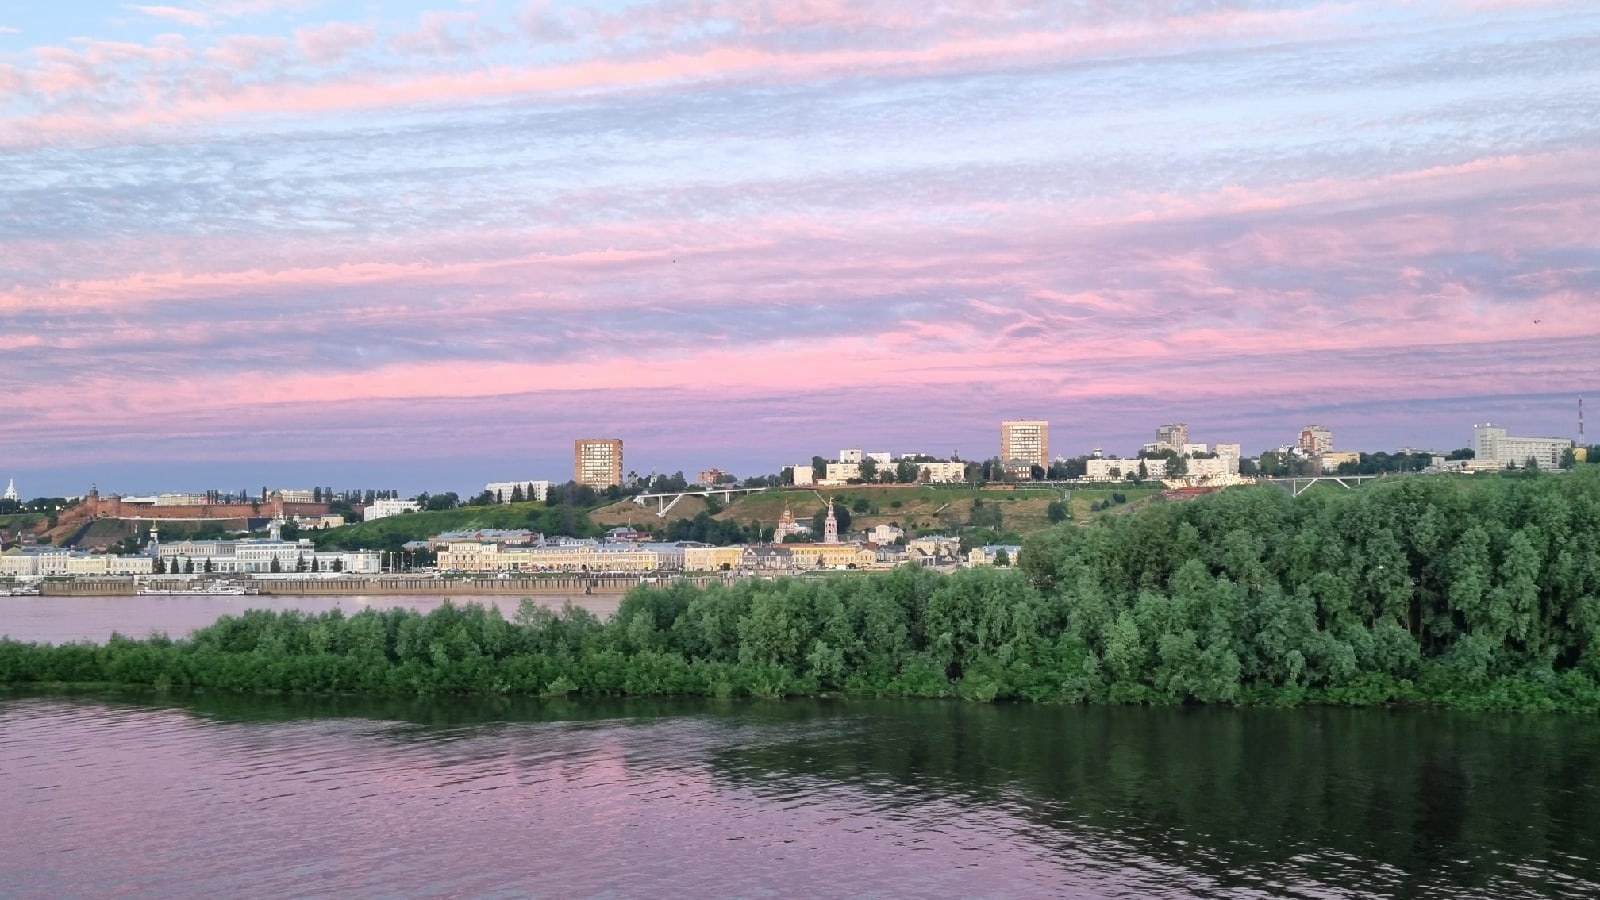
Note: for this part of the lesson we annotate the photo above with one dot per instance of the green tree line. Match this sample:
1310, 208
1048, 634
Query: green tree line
1479, 592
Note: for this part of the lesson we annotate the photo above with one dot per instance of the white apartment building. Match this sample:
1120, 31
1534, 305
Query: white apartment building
942, 472
841, 472
1232, 450
382, 509
803, 474
1111, 469
531, 490
54, 561
1491, 444
1172, 437
850, 456
881, 457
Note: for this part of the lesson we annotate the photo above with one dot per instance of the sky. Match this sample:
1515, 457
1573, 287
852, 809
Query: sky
424, 245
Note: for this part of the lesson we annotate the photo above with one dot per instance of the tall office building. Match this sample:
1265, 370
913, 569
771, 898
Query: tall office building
1316, 439
1025, 441
1173, 436
597, 462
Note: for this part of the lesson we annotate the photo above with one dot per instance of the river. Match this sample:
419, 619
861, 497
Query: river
57, 620
157, 795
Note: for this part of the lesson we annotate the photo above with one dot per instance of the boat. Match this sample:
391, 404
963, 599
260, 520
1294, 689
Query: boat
215, 589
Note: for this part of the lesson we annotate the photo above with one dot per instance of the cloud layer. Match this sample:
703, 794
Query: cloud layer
741, 232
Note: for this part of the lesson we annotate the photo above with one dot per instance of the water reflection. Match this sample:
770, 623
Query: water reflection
224, 793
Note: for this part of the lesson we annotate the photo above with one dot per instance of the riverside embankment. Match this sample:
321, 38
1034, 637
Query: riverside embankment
379, 585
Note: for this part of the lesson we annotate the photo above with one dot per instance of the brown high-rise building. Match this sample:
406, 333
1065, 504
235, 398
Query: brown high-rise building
597, 462
1025, 441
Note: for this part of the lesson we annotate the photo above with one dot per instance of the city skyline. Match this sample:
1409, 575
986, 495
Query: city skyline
308, 242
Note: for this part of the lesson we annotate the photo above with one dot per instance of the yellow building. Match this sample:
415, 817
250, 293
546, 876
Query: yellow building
829, 556
712, 559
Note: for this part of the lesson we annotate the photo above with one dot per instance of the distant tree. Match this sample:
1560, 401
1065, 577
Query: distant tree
276, 566
1002, 559
337, 565
209, 568
1177, 465
819, 468
316, 495
315, 566
1057, 511
905, 471
861, 505
869, 469
300, 563
516, 494
188, 566
985, 515
160, 566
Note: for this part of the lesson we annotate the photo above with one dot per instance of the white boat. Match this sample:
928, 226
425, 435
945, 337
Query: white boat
216, 589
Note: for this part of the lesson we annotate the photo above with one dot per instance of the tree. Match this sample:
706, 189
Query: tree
300, 563
160, 567
315, 566
316, 495
1057, 512
1177, 465
209, 567
905, 471
516, 494
188, 566
819, 468
1002, 559
275, 567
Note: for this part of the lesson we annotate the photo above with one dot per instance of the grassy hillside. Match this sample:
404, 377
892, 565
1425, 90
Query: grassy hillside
914, 507
391, 532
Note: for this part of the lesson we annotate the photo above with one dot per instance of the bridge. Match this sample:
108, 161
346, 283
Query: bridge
666, 501
1298, 486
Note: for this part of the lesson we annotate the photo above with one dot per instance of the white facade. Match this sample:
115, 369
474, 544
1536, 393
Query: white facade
11, 489
382, 509
1227, 450
531, 490
1118, 469
1490, 443
942, 472
1316, 439
841, 472
1172, 437
803, 474
881, 457
885, 534
850, 456
1218, 467
46, 562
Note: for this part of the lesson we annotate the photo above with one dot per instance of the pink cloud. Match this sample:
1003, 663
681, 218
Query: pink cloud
332, 42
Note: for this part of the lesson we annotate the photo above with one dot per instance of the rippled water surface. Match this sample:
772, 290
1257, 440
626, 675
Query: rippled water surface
231, 796
57, 620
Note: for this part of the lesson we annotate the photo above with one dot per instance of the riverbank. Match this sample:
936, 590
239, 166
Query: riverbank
402, 585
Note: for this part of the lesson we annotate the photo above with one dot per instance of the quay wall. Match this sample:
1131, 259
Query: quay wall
378, 585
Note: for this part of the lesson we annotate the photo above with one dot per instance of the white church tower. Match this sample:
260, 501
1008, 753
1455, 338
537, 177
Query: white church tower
11, 489
830, 527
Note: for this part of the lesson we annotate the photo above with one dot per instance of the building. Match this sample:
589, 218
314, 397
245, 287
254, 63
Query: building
843, 472
1232, 450
850, 456
1173, 437
883, 458
597, 462
382, 509
986, 555
504, 491
1025, 441
787, 525
42, 562
11, 490
1491, 444
709, 477
712, 559
886, 534
1112, 469
1333, 459
942, 472
1315, 440
802, 474
830, 527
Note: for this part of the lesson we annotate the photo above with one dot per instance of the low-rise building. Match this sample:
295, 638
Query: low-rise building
803, 475
953, 472
885, 534
1333, 459
843, 472
713, 559
988, 554
1112, 469
1491, 443
382, 509
528, 489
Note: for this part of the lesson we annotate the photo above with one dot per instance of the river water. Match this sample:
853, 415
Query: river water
57, 620
150, 795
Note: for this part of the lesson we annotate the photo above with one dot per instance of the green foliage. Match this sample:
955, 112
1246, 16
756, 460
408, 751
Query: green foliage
1470, 593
